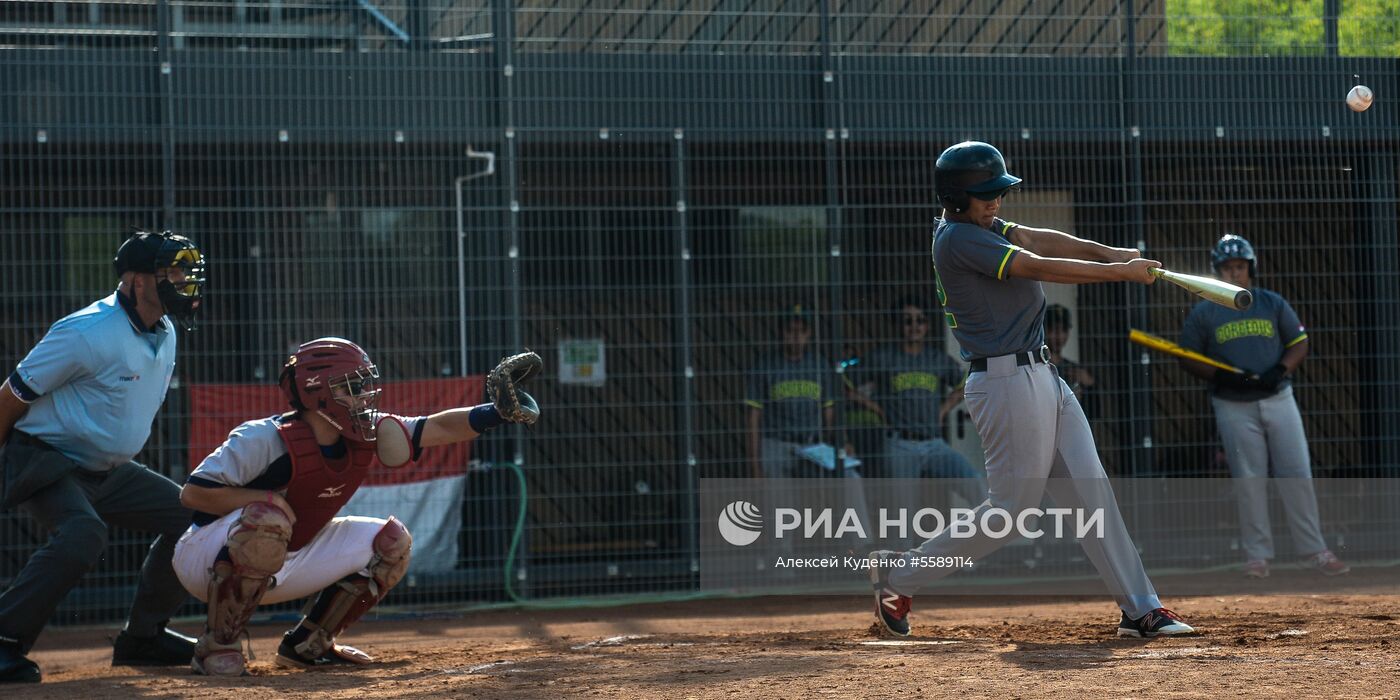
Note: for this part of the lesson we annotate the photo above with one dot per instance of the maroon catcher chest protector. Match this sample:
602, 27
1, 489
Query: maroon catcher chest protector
318, 488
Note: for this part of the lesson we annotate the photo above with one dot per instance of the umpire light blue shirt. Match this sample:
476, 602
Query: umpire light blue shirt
95, 382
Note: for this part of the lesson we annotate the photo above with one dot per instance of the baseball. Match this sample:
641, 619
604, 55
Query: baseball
1359, 99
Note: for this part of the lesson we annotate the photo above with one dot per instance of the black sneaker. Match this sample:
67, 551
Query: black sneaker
891, 606
1159, 622
166, 648
338, 655
15, 667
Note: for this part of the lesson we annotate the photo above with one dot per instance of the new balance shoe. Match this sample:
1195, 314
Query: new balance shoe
1256, 568
891, 606
1158, 623
1326, 563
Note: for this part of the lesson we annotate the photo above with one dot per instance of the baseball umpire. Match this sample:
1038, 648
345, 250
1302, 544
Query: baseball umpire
72, 415
265, 527
1033, 430
1255, 412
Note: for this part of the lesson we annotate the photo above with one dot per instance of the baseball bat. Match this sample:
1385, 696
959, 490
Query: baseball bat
1222, 293
1167, 346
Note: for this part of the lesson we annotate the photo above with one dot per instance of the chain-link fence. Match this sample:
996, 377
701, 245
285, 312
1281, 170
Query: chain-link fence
643, 191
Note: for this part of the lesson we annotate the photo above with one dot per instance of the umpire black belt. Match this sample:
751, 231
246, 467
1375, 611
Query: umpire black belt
20, 437
1022, 359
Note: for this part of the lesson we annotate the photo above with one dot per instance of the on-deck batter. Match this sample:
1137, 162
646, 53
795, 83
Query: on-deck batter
1255, 412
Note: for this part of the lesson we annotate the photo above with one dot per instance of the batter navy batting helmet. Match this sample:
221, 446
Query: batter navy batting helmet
1232, 247
970, 168
334, 378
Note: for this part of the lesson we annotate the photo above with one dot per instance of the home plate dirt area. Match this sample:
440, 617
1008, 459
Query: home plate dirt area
1332, 646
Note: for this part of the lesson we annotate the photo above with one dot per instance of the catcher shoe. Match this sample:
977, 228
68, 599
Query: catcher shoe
1158, 623
164, 648
1256, 568
1326, 563
338, 654
15, 667
891, 606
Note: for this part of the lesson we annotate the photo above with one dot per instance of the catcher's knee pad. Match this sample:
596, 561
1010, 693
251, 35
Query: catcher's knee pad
392, 547
257, 543
345, 601
256, 548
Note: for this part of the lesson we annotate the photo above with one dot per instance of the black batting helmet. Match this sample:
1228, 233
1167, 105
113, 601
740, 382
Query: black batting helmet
970, 168
1232, 247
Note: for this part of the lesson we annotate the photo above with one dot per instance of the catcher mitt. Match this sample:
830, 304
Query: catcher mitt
503, 388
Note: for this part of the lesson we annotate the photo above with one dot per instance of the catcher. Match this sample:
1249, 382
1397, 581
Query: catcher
265, 501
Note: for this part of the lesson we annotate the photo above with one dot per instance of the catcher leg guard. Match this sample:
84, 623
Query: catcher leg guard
256, 549
339, 605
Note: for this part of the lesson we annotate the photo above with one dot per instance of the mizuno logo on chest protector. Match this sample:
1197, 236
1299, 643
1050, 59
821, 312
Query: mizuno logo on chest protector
332, 491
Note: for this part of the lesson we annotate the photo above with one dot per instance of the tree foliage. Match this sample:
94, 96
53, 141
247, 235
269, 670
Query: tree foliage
1280, 28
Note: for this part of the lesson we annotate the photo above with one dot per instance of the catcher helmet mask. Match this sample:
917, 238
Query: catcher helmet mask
1232, 247
970, 168
336, 379
158, 254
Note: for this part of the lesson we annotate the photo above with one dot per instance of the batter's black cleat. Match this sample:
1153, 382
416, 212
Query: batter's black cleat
1158, 623
891, 606
15, 667
166, 648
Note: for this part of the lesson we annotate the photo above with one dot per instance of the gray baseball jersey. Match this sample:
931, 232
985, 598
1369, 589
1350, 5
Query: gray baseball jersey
910, 387
791, 395
1253, 340
990, 313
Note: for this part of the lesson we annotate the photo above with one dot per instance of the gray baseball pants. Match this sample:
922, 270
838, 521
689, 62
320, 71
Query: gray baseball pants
1258, 434
75, 511
1037, 441
931, 459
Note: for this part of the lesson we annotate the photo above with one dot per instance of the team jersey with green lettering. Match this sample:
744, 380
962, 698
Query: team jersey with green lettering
991, 313
1253, 340
791, 395
911, 387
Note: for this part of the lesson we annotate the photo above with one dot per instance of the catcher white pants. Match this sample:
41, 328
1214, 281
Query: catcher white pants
1256, 435
1037, 440
343, 547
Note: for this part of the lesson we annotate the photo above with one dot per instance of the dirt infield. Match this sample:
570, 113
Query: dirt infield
1334, 646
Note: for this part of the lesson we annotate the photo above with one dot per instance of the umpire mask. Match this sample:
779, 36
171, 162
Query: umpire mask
177, 265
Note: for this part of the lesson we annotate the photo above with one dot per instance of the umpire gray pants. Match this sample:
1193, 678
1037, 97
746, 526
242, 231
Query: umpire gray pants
74, 511
1037, 441
1257, 434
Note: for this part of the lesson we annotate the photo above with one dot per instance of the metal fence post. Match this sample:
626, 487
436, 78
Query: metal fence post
504, 21
685, 354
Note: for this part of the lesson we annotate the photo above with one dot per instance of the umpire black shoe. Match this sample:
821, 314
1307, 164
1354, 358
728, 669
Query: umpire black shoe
1158, 623
166, 648
891, 606
15, 667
